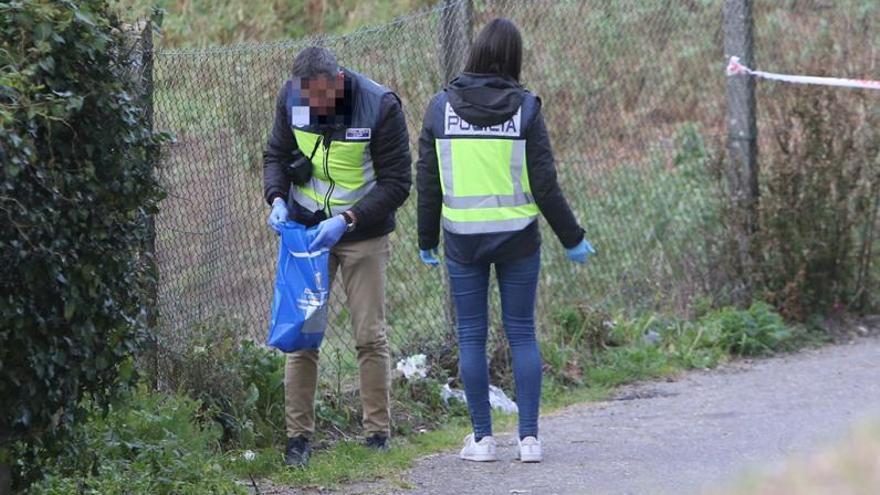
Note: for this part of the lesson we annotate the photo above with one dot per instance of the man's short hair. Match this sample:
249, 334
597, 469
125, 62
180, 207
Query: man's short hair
315, 61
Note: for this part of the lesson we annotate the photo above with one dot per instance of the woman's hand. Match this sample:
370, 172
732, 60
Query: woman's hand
429, 256
581, 253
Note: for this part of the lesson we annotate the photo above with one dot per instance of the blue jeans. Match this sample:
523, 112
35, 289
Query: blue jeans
518, 283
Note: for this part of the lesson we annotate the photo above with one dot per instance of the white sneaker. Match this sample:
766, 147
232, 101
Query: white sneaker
530, 450
482, 451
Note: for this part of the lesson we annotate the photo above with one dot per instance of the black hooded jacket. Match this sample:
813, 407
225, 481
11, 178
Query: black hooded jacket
487, 100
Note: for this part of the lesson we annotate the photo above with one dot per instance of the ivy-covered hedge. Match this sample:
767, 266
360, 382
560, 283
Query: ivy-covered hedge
76, 188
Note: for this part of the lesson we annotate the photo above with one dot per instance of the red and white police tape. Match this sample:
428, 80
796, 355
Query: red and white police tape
736, 68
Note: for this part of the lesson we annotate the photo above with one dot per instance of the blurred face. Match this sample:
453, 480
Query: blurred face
322, 93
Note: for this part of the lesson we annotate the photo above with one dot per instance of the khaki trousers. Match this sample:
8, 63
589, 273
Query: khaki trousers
363, 265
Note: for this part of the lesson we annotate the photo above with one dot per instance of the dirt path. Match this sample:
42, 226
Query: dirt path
702, 431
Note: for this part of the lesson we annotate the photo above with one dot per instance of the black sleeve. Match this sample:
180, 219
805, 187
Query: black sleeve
545, 187
281, 150
430, 200
389, 148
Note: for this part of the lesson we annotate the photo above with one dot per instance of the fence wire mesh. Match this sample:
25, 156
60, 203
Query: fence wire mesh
633, 97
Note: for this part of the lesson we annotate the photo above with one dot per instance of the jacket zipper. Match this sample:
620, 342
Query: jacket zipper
327, 139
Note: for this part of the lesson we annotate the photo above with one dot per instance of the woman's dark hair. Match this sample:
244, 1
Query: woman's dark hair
497, 50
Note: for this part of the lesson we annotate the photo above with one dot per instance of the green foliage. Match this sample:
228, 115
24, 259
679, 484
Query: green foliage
263, 372
148, 443
690, 345
622, 350
240, 382
753, 332
418, 405
76, 188
628, 364
575, 336
213, 22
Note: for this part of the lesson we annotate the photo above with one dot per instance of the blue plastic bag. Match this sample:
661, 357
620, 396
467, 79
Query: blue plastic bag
299, 308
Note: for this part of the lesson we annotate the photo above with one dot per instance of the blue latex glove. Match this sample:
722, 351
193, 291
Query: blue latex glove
581, 252
429, 256
278, 215
328, 234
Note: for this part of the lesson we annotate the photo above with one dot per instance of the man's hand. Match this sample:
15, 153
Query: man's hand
278, 215
329, 233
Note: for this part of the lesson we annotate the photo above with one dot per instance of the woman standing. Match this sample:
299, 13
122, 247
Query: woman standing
486, 171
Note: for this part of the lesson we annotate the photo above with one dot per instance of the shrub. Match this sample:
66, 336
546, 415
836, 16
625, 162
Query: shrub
240, 382
756, 331
76, 188
263, 371
821, 181
813, 238
148, 443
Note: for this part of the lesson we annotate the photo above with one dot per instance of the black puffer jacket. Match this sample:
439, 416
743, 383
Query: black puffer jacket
389, 149
487, 100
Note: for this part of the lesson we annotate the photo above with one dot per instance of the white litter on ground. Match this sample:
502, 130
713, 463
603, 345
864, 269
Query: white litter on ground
497, 398
413, 367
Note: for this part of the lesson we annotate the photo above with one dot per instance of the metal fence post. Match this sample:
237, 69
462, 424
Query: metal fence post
742, 146
456, 26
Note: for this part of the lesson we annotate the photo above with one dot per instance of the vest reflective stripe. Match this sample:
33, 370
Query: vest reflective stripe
312, 196
474, 202
485, 189
486, 227
350, 167
490, 214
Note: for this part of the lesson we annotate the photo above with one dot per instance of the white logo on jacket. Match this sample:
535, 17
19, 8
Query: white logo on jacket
457, 126
355, 133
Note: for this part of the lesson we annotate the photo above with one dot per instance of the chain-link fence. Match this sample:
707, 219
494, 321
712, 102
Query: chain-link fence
633, 95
